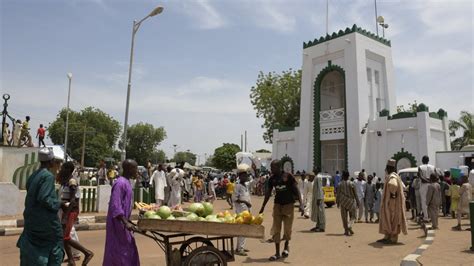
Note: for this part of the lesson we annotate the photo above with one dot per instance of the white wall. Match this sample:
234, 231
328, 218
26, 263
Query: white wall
446, 160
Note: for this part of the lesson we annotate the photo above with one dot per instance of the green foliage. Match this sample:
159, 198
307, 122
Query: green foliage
263, 151
158, 156
103, 133
142, 140
465, 124
412, 108
276, 98
185, 156
209, 161
224, 156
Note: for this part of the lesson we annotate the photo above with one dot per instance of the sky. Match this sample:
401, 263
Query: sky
195, 63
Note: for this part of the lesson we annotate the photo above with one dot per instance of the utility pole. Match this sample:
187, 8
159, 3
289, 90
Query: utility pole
241, 142
84, 133
245, 140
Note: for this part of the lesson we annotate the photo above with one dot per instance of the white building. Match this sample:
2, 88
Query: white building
348, 118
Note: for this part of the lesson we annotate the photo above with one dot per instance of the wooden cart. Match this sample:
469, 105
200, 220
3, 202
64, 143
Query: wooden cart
197, 243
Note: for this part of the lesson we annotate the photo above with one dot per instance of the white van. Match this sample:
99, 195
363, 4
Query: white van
407, 174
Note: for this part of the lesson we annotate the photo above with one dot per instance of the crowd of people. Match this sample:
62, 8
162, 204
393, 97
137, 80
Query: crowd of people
49, 232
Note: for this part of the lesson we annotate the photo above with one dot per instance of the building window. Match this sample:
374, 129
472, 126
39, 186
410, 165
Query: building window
380, 101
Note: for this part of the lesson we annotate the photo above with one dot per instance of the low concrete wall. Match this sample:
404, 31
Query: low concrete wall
10, 202
11, 158
103, 197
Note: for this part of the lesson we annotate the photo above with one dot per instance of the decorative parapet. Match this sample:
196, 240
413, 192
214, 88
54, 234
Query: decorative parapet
384, 112
422, 108
331, 115
402, 115
404, 154
442, 113
435, 115
287, 159
284, 129
341, 33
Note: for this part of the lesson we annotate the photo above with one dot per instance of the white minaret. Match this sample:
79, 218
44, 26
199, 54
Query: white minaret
347, 80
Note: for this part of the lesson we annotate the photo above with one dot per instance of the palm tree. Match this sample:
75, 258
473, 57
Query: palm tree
466, 123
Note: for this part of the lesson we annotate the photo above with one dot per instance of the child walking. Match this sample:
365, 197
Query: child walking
378, 200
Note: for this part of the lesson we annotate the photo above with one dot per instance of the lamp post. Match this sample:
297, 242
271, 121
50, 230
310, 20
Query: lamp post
69, 76
136, 26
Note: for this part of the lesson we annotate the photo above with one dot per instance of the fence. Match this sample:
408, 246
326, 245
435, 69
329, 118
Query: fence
146, 195
89, 199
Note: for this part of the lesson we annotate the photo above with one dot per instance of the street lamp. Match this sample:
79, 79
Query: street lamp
136, 26
382, 23
69, 76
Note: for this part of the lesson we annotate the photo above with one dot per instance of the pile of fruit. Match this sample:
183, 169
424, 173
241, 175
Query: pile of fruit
203, 212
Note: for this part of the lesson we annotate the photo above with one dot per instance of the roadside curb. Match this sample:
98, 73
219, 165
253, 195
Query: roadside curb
412, 259
85, 223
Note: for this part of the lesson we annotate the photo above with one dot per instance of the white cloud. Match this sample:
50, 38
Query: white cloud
422, 62
205, 14
448, 17
271, 16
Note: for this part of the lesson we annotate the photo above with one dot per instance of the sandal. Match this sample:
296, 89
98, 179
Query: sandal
285, 253
240, 253
274, 257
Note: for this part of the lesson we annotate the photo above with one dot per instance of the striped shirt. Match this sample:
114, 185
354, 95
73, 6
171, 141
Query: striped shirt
346, 194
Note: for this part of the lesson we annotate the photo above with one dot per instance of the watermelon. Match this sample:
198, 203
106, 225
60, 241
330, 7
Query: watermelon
155, 216
197, 208
192, 217
148, 214
164, 212
208, 208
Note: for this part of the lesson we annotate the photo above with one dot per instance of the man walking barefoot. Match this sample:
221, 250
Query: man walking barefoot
286, 189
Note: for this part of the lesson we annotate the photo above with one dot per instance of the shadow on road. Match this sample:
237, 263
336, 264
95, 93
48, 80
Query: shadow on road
264, 260
335, 235
380, 245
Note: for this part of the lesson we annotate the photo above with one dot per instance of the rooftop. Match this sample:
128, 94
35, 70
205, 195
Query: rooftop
341, 33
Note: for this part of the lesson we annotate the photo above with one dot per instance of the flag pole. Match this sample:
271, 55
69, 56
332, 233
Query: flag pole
327, 17
376, 25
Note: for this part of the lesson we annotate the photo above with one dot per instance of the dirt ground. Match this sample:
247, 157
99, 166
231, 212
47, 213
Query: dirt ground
306, 248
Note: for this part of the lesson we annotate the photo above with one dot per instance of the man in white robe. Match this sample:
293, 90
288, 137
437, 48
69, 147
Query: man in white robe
176, 180
159, 178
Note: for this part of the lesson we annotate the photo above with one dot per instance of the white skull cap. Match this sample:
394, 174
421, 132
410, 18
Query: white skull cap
45, 155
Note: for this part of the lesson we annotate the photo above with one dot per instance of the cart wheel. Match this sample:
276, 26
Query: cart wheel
193, 244
205, 256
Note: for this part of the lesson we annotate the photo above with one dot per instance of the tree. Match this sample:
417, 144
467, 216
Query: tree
142, 140
103, 133
209, 161
224, 156
466, 124
276, 98
263, 151
185, 156
158, 156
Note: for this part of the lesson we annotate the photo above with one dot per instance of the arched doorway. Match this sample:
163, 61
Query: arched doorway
329, 136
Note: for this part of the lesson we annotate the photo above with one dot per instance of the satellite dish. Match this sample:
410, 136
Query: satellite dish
380, 19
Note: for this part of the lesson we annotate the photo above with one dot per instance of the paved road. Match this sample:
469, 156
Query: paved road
329, 248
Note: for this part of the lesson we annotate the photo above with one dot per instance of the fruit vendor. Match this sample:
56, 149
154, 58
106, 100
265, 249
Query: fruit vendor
286, 189
120, 247
242, 202
41, 242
